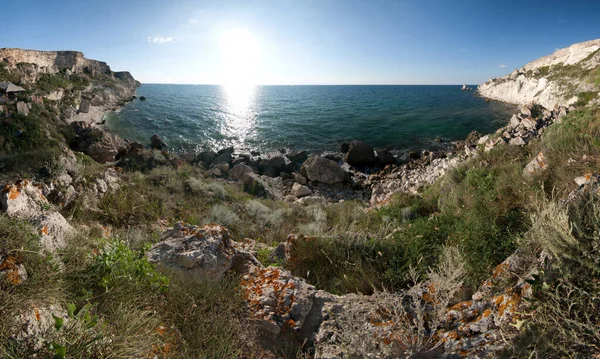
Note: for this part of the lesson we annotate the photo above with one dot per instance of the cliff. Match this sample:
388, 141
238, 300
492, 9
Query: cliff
83, 89
563, 78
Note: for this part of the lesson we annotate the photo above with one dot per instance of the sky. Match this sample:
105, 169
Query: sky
298, 42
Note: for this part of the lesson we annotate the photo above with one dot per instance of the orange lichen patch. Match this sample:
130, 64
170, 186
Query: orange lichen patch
487, 313
36, 312
499, 270
44, 230
13, 192
9, 266
462, 305
270, 294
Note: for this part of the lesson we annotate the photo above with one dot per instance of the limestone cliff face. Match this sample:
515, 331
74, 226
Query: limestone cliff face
559, 79
54, 61
70, 79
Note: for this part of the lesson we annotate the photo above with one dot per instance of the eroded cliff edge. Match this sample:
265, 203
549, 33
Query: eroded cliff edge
563, 78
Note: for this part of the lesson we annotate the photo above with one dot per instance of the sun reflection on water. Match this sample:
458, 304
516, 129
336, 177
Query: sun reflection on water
239, 107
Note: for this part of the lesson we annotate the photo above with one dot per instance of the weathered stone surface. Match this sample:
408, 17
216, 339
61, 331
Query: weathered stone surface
299, 190
517, 141
320, 169
84, 106
360, 154
535, 166
12, 273
279, 300
157, 143
223, 157
203, 251
95, 143
298, 178
206, 157
25, 201
22, 108
385, 157
583, 180
297, 157
238, 171
263, 186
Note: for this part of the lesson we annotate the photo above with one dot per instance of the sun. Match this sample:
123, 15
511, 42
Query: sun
239, 52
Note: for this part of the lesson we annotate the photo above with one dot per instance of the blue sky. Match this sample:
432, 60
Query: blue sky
304, 42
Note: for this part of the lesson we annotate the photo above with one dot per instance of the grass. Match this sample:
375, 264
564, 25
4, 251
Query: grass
565, 146
562, 317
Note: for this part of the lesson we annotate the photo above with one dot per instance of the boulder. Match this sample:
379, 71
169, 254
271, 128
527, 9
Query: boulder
472, 139
25, 201
94, 142
385, 157
320, 169
298, 178
22, 108
206, 252
344, 148
517, 141
280, 301
535, 166
84, 106
142, 98
529, 123
300, 191
238, 171
226, 150
263, 186
222, 166
223, 157
360, 154
514, 122
206, 157
157, 143
297, 157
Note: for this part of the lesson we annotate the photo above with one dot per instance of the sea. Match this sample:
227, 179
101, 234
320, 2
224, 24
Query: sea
403, 118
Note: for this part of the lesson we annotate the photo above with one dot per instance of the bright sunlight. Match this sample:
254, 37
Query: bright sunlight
240, 51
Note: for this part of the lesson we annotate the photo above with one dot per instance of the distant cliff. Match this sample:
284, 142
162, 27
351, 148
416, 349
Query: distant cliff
78, 85
568, 76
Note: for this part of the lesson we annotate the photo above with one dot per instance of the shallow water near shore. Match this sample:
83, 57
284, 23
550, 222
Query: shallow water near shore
312, 118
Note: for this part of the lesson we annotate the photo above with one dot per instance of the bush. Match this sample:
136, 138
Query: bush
222, 215
565, 316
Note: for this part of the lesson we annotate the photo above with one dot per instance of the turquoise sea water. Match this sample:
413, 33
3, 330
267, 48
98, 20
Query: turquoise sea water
313, 118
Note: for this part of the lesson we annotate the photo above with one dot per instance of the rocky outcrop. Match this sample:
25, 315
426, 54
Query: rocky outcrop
553, 80
263, 186
96, 143
321, 169
360, 154
23, 200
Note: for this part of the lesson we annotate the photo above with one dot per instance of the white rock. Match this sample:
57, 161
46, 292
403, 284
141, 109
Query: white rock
299, 190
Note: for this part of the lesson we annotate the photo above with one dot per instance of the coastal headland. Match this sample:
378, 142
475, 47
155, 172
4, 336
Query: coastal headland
110, 247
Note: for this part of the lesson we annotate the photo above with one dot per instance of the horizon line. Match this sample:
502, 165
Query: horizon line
222, 85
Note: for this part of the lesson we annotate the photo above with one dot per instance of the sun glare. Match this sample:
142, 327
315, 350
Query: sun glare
239, 55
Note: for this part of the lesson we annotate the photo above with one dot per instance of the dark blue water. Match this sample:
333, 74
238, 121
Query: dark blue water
314, 118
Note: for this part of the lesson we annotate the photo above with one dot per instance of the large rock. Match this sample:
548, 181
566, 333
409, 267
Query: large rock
96, 143
206, 157
22, 108
25, 201
157, 143
238, 171
84, 106
360, 154
297, 157
320, 169
385, 157
206, 252
282, 303
263, 186
300, 191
